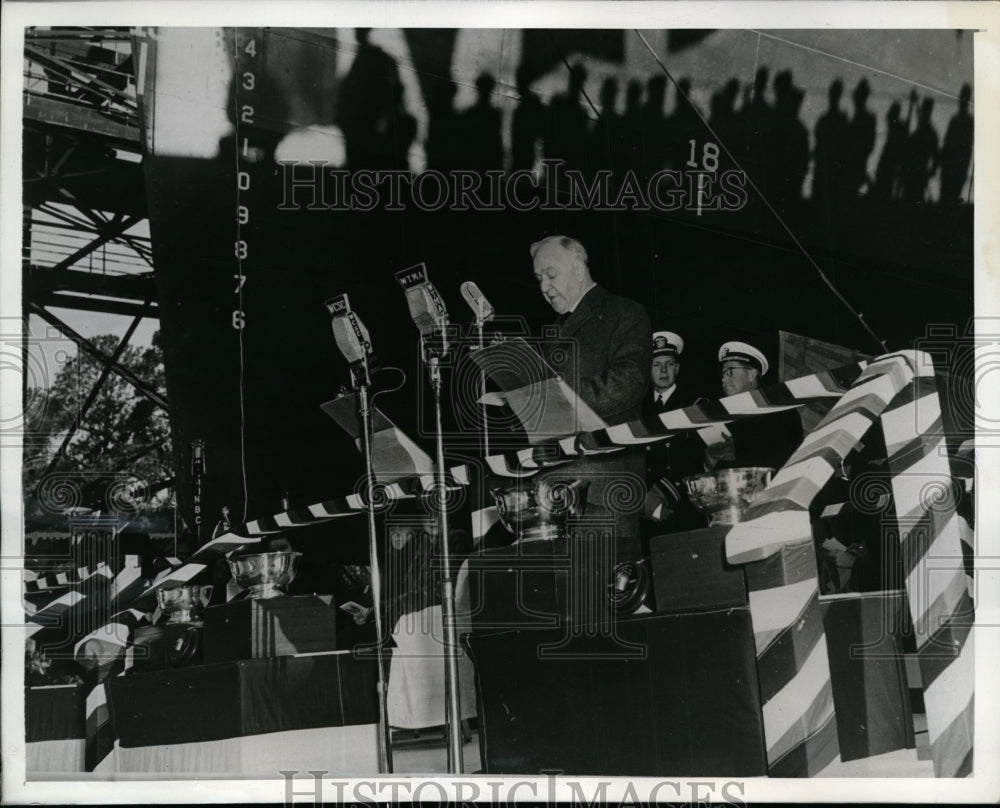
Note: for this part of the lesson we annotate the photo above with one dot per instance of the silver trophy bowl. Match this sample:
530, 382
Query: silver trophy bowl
724, 496
541, 509
266, 575
183, 604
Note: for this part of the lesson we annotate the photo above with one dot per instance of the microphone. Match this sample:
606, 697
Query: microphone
197, 457
477, 302
349, 332
426, 308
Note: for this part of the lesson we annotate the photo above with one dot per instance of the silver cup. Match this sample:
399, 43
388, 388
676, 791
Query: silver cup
724, 496
541, 510
183, 604
266, 575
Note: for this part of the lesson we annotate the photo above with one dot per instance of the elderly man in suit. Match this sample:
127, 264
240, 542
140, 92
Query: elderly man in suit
603, 351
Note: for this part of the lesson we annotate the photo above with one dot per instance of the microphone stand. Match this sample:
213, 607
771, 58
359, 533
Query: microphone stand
482, 382
452, 701
361, 388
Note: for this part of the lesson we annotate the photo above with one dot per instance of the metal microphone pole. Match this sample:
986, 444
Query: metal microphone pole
480, 320
353, 341
361, 383
453, 702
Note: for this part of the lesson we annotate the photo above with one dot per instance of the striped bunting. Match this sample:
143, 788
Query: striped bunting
824, 386
57, 580
776, 545
899, 390
99, 729
781, 513
73, 610
352, 504
937, 586
800, 728
111, 639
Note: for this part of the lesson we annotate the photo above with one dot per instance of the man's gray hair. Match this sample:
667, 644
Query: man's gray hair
570, 245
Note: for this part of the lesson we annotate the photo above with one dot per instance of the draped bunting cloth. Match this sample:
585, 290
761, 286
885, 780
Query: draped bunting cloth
775, 544
898, 390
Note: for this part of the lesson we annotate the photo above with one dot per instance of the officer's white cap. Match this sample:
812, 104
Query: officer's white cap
667, 342
743, 352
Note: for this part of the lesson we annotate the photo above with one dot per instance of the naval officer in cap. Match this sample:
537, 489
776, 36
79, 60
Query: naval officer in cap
668, 462
665, 395
764, 440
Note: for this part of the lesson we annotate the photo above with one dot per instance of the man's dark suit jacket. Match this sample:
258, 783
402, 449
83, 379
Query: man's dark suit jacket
683, 454
604, 352
766, 440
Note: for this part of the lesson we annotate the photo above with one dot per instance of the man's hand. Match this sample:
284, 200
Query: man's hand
718, 453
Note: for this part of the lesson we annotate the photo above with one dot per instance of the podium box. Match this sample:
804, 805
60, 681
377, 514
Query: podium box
690, 571
283, 626
658, 695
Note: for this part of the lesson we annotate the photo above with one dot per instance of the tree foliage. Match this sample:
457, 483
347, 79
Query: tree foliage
121, 441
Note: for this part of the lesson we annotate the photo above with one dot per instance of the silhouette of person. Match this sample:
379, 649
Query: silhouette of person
831, 133
655, 125
628, 147
527, 125
396, 132
756, 119
365, 104
860, 142
921, 158
601, 146
724, 121
479, 127
788, 157
887, 172
683, 126
956, 151
565, 138
442, 142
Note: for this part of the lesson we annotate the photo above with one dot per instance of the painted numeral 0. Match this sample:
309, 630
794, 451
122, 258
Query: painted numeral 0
243, 181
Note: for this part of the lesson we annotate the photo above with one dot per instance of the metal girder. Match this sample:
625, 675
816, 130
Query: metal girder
91, 397
143, 251
84, 79
109, 232
47, 280
77, 117
112, 34
141, 387
122, 307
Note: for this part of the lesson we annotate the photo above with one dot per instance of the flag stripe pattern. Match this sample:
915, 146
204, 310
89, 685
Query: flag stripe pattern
827, 385
936, 581
775, 543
